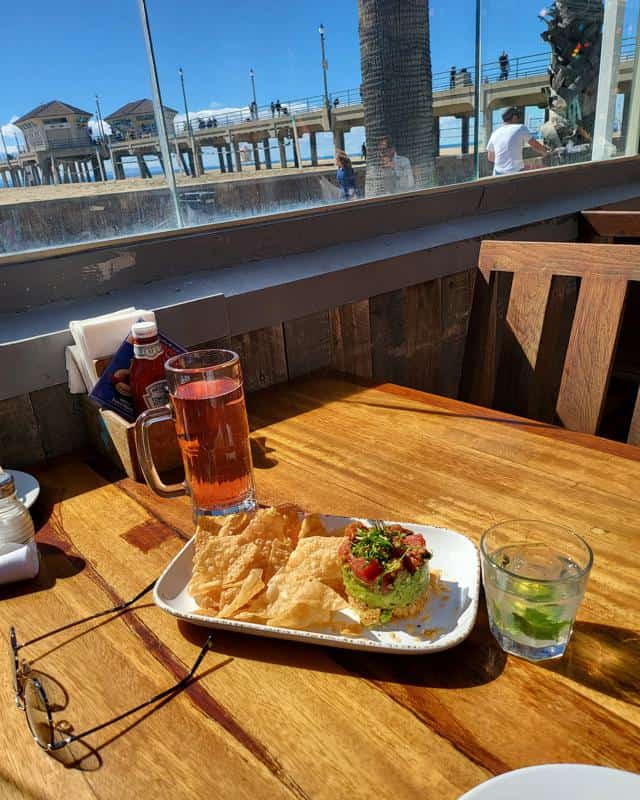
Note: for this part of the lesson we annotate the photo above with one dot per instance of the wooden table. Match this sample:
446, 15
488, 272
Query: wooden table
270, 719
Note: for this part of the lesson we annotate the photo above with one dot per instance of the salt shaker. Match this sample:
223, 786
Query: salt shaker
16, 525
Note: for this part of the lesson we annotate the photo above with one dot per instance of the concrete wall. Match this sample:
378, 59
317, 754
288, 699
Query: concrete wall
51, 223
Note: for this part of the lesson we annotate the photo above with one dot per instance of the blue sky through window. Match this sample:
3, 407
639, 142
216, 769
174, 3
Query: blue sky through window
70, 50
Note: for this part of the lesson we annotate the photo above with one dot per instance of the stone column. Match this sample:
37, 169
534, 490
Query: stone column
283, 152
256, 155
143, 167
236, 153
266, 152
338, 139
118, 168
192, 163
54, 170
625, 115
223, 168
227, 148
313, 144
436, 136
465, 135
199, 160
488, 125
95, 168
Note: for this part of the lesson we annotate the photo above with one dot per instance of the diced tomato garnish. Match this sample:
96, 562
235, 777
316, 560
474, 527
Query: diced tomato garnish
364, 570
344, 549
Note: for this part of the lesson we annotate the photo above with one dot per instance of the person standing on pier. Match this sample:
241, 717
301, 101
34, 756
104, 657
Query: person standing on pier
452, 78
399, 174
273, 109
345, 175
505, 145
503, 61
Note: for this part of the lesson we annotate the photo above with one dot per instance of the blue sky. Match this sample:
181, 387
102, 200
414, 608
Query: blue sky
70, 49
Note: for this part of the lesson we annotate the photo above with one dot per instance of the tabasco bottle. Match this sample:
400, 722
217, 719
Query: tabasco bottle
148, 382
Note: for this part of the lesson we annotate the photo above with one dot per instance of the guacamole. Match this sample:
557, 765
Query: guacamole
385, 570
404, 591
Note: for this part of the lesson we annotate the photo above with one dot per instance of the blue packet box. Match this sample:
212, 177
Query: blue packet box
112, 389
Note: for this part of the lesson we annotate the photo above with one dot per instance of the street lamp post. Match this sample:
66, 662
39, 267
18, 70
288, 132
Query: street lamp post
158, 109
325, 66
252, 75
196, 165
105, 140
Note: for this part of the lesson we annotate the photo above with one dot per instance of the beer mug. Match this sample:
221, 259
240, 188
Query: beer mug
206, 396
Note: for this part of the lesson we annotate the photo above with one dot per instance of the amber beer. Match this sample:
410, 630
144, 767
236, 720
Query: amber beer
207, 406
213, 434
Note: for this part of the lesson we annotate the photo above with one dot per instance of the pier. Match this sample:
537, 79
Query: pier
134, 133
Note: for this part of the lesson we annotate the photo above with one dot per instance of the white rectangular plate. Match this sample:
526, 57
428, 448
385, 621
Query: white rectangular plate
446, 620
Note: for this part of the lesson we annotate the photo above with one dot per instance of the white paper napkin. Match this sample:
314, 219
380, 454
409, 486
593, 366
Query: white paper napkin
99, 337
18, 562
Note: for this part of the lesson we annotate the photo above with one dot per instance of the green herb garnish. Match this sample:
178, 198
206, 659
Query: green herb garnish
372, 543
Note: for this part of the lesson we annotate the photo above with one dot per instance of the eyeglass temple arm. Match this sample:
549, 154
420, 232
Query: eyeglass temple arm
97, 615
171, 690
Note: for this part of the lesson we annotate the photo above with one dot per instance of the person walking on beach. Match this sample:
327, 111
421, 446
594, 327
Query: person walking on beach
345, 175
503, 61
506, 143
452, 78
399, 175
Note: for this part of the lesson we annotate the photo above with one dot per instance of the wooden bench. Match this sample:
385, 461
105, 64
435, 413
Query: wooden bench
608, 226
544, 329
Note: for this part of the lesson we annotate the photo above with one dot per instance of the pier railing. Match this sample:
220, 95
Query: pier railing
442, 82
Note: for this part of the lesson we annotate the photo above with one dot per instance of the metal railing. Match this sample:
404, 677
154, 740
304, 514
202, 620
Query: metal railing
442, 83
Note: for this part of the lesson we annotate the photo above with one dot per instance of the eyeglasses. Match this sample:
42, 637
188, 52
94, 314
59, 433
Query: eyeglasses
32, 698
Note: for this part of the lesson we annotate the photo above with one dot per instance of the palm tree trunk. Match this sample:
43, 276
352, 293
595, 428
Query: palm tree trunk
396, 89
574, 33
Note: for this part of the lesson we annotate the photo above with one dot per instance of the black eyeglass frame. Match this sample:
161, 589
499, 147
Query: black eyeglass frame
22, 676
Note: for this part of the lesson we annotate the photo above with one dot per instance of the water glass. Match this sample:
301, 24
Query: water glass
534, 574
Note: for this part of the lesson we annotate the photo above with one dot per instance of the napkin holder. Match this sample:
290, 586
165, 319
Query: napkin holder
114, 437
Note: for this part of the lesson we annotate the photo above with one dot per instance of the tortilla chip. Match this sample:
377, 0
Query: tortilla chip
312, 526
251, 586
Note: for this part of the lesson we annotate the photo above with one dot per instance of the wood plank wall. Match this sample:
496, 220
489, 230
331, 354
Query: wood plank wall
414, 336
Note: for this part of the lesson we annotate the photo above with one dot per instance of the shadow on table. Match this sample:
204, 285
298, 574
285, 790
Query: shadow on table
476, 661
55, 565
603, 658
80, 754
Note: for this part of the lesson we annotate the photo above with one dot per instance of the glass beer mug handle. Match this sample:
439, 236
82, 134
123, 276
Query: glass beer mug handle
145, 457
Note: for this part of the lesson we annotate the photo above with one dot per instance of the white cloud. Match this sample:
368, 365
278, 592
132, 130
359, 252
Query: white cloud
94, 127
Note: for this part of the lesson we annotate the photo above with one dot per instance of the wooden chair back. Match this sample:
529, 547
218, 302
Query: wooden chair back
610, 226
544, 328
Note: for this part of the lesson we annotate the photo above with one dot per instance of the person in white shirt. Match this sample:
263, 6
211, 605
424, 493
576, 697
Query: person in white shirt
505, 145
399, 167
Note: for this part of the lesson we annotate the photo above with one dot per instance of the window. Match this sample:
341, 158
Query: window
285, 114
